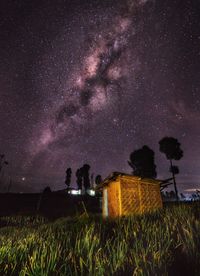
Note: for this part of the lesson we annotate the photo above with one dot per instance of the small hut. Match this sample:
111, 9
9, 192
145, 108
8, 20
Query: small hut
125, 194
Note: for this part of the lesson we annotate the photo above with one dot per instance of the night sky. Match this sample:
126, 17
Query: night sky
91, 81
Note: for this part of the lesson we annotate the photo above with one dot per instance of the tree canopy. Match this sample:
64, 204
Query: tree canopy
142, 162
171, 148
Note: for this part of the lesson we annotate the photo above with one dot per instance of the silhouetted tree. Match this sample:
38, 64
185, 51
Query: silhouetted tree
43, 197
68, 177
174, 169
2, 161
182, 196
198, 193
85, 173
164, 195
142, 162
47, 190
171, 148
172, 194
79, 179
98, 179
196, 196
92, 180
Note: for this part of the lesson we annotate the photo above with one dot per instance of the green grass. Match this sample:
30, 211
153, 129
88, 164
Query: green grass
151, 244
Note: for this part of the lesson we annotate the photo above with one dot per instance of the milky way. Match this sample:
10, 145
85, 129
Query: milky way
91, 81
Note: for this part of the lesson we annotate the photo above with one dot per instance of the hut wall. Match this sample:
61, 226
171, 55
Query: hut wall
114, 202
130, 196
150, 197
105, 202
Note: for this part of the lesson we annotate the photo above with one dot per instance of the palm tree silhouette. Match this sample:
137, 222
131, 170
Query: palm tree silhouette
171, 148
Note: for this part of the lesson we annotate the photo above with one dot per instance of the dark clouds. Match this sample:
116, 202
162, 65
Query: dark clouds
91, 82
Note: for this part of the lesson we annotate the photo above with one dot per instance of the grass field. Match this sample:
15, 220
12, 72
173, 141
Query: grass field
163, 243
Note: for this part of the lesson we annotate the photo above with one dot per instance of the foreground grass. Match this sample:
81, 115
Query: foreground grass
158, 244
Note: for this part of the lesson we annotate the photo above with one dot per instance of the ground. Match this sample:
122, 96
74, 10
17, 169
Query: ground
166, 242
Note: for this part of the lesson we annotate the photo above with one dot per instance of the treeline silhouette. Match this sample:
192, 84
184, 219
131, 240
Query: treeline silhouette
83, 179
142, 162
3, 161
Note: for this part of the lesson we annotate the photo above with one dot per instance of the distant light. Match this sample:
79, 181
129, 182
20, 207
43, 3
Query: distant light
91, 192
23, 178
75, 192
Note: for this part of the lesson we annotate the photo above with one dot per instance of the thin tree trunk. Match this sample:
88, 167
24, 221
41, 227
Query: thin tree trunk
174, 180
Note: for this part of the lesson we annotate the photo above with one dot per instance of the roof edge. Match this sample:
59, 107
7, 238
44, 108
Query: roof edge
113, 176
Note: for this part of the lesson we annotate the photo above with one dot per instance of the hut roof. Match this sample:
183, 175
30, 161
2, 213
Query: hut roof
115, 175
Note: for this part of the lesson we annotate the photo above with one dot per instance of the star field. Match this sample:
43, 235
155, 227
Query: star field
91, 81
